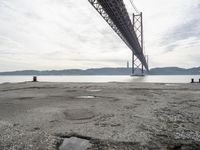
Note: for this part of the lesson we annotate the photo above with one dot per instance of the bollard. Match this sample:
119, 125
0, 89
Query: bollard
34, 79
192, 80
199, 80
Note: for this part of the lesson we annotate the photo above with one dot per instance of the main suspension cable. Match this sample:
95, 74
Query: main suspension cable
134, 7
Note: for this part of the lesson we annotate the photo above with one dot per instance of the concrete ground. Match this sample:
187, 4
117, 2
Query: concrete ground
112, 116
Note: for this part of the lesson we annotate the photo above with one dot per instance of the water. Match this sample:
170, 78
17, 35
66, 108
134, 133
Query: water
75, 143
156, 79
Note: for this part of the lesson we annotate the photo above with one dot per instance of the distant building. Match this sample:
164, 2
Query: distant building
127, 64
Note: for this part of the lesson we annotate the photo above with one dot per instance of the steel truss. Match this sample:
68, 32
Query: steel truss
115, 14
137, 66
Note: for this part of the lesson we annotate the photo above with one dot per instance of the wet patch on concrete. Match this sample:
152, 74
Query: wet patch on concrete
54, 121
74, 143
26, 98
109, 98
86, 97
71, 141
93, 90
172, 84
35, 129
71, 90
79, 114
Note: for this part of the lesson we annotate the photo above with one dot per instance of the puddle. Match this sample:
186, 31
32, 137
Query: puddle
171, 84
94, 90
86, 97
74, 143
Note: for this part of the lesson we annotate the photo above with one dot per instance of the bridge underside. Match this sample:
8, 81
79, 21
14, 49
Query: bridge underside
115, 14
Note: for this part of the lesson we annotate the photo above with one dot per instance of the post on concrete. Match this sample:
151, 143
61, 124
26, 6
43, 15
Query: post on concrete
192, 80
133, 63
199, 80
34, 79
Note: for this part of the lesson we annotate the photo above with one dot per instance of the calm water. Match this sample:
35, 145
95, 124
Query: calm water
157, 79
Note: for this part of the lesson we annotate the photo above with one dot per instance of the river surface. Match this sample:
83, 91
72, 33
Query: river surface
156, 79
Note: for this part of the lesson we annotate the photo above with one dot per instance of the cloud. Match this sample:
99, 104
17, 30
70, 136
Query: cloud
186, 29
59, 34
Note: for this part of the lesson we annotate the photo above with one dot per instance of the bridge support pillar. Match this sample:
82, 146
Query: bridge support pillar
137, 66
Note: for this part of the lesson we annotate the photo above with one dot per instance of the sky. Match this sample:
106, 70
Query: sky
66, 34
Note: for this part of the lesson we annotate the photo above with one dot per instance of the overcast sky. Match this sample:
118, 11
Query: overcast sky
63, 34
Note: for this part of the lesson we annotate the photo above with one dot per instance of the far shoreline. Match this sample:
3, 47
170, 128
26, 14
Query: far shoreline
102, 78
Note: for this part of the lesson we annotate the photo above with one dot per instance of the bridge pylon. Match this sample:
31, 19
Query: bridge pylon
137, 65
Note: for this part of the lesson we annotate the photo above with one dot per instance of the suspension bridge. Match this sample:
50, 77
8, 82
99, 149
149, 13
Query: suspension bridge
114, 12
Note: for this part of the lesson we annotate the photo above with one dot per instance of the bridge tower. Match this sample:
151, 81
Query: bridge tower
137, 66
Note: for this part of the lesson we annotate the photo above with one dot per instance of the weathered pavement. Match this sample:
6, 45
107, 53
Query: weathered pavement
121, 116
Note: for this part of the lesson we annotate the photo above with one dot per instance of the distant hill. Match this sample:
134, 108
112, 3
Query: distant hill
175, 71
95, 71
108, 71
